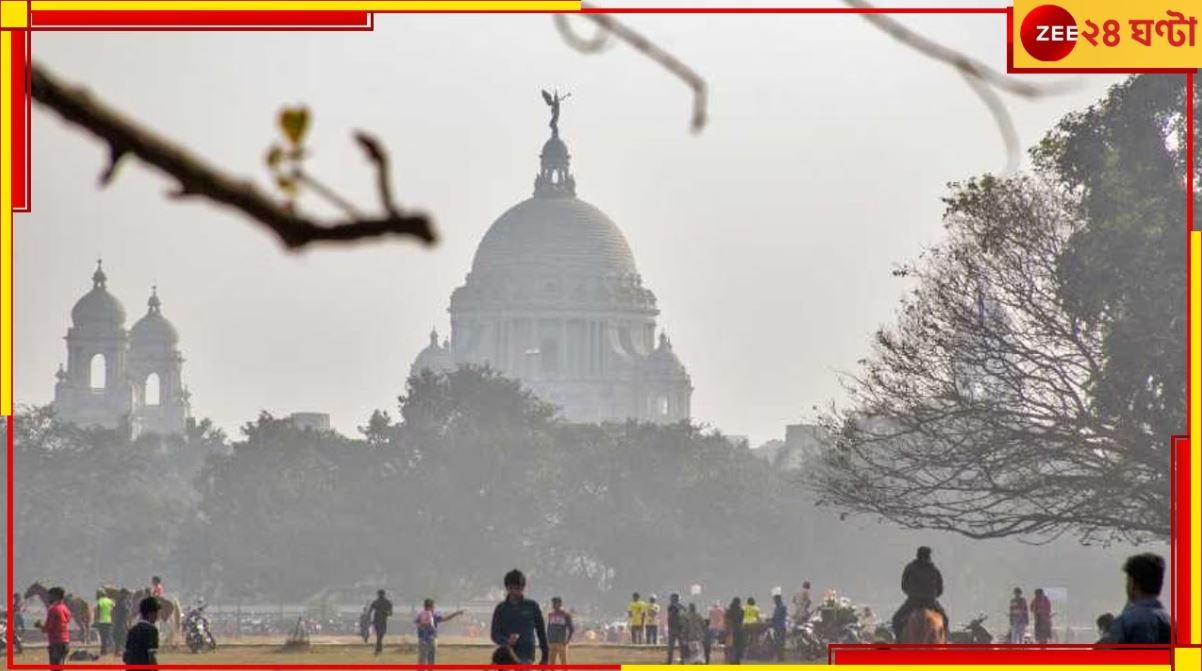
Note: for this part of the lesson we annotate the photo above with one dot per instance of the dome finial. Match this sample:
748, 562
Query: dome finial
154, 303
433, 337
554, 177
553, 102
98, 277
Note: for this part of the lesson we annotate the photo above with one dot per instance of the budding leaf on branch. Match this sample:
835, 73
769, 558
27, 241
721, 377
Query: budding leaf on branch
294, 122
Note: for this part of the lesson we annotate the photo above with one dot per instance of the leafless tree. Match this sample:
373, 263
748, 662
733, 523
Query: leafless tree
973, 413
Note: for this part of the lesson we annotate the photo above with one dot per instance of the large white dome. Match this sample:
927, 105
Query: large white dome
562, 236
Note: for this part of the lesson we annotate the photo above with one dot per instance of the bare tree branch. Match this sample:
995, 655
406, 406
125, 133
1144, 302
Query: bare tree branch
612, 26
587, 45
196, 178
982, 78
974, 413
379, 156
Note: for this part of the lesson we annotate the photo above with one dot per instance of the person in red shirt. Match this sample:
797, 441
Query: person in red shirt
57, 626
156, 586
1041, 609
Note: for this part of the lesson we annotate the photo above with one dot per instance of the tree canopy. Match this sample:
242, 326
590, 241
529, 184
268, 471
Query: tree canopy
1036, 373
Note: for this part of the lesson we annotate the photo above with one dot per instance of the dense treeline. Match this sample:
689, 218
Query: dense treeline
475, 477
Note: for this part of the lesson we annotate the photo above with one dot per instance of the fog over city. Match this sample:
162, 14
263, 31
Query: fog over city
768, 238
797, 345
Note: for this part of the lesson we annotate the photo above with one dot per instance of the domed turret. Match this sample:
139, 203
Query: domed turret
434, 358
663, 362
98, 308
153, 328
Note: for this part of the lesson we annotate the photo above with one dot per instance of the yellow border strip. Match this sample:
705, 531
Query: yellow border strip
6, 227
1195, 430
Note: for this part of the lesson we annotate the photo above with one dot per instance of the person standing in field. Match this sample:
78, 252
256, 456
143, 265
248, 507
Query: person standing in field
120, 621
427, 622
717, 625
517, 621
57, 627
802, 603
1041, 611
16, 618
381, 610
559, 631
156, 586
780, 615
1018, 617
676, 629
734, 632
142, 640
651, 622
103, 617
635, 613
751, 612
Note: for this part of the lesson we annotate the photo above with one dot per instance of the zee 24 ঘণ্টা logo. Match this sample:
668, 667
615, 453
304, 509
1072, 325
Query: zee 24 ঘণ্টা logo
1050, 32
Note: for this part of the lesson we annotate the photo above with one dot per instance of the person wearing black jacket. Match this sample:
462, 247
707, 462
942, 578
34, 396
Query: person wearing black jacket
381, 610
675, 624
734, 632
142, 641
923, 585
517, 620
120, 621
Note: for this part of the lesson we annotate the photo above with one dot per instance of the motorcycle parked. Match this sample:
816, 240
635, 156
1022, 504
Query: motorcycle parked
197, 634
973, 632
806, 644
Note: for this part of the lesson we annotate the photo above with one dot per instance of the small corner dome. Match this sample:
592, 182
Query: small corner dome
98, 307
664, 358
153, 327
554, 151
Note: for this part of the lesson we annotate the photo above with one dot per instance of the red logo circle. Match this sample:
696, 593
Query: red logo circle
1049, 32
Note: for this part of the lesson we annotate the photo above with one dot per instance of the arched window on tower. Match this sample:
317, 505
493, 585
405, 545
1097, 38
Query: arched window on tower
152, 393
99, 372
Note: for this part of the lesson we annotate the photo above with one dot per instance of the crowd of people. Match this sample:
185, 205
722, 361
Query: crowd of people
136, 644
519, 628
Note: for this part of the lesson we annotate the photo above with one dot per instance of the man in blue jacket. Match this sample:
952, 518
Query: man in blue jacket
517, 620
1144, 619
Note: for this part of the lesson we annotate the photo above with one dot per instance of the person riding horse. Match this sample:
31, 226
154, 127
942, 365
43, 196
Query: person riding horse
923, 585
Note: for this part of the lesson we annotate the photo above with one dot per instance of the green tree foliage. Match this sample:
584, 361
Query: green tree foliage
1123, 271
480, 476
92, 506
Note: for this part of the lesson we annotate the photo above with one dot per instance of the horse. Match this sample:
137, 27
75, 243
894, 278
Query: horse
169, 613
923, 625
81, 613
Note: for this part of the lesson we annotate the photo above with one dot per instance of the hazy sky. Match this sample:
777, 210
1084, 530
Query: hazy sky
768, 238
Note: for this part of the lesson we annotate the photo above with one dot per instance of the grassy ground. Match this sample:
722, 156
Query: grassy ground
342, 651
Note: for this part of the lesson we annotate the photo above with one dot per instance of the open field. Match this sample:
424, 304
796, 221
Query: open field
339, 652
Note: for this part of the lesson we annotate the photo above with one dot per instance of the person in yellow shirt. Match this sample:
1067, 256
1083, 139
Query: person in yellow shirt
103, 617
635, 615
751, 612
651, 623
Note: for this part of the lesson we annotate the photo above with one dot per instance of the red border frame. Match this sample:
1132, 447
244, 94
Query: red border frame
356, 20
